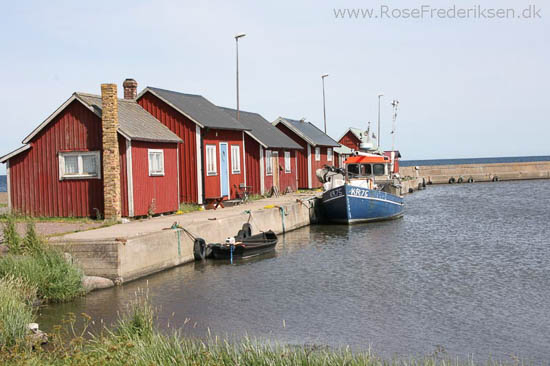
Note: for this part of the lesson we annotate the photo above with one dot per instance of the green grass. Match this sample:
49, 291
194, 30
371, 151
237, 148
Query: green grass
3, 205
188, 207
24, 218
38, 264
16, 298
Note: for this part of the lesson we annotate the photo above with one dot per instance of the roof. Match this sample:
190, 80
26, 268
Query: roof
134, 122
343, 150
197, 108
307, 131
262, 131
367, 159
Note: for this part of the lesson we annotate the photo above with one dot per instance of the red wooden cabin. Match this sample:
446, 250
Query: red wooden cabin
318, 149
270, 155
58, 172
212, 162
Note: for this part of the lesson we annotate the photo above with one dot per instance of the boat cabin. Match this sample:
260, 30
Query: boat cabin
370, 166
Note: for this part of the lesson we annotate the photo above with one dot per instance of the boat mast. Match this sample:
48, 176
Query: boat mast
395, 104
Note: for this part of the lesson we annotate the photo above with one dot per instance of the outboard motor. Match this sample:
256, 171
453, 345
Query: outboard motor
328, 173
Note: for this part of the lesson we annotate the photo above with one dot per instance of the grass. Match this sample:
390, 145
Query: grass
25, 218
187, 208
40, 265
16, 298
3, 205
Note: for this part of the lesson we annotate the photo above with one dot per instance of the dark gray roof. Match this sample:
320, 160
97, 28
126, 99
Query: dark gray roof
308, 131
197, 108
263, 131
134, 121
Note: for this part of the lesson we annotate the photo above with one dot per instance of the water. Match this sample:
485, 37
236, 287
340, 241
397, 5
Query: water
511, 159
3, 183
467, 268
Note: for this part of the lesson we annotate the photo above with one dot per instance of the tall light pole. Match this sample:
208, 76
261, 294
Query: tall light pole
394, 104
240, 35
324, 109
380, 95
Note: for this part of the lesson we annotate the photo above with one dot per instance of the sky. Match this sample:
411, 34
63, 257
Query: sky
468, 87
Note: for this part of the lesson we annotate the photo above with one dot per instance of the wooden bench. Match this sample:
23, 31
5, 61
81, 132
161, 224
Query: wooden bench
214, 202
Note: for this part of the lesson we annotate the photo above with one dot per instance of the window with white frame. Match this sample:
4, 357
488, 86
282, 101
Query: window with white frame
156, 163
329, 153
211, 160
235, 159
268, 163
287, 162
317, 154
79, 165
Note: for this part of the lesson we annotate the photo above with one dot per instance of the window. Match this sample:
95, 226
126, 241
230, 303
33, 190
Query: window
79, 165
287, 162
211, 160
353, 170
268, 163
156, 163
329, 153
366, 169
378, 169
317, 154
235, 159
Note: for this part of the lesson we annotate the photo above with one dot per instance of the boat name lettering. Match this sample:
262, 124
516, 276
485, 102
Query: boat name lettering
359, 192
336, 192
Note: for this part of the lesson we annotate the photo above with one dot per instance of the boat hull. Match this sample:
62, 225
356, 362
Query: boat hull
251, 246
350, 204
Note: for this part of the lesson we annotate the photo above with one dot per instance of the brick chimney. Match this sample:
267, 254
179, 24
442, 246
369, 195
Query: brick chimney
111, 163
130, 89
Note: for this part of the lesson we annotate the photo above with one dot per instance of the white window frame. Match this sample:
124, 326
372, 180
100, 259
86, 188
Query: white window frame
80, 174
152, 173
330, 154
317, 154
235, 159
211, 164
288, 168
268, 163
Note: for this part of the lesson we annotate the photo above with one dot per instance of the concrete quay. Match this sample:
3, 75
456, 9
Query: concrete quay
125, 252
439, 174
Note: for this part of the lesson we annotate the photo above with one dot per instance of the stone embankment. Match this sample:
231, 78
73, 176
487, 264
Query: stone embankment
438, 174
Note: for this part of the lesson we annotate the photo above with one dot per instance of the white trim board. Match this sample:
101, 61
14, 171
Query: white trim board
130, 178
199, 164
262, 178
8, 185
309, 166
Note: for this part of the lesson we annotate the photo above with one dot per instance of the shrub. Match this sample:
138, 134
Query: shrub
16, 298
11, 237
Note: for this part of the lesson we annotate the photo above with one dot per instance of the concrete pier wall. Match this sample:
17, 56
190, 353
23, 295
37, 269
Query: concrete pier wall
129, 257
438, 174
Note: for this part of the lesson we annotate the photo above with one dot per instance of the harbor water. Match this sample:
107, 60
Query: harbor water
466, 272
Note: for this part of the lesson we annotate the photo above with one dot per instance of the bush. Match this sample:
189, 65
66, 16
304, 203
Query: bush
47, 270
16, 298
11, 237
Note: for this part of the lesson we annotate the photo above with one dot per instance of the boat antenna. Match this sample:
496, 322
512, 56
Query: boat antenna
395, 105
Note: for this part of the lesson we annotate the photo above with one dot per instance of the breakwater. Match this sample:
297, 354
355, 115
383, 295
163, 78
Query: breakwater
487, 172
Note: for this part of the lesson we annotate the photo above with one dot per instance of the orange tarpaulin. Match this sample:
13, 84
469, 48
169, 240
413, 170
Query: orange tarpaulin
358, 159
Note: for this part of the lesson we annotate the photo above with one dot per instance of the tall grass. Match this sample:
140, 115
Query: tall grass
16, 298
40, 265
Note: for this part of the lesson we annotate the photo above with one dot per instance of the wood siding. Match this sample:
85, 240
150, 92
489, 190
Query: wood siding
286, 180
252, 164
123, 177
34, 174
160, 193
350, 140
185, 129
212, 183
301, 155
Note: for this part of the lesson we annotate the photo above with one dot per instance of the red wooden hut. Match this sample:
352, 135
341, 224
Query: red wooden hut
212, 163
270, 155
59, 171
318, 149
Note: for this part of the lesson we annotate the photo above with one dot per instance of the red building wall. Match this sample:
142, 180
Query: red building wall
186, 130
301, 155
34, 174
319, 164
396, 163
252, 164
285, 179
212, 183
163, 190
350, 140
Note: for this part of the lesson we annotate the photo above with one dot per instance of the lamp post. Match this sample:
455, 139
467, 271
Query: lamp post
380, 95
324, 109
240, 35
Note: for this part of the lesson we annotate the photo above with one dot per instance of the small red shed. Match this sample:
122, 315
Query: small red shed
318, 149
270, 155
59, 171
212, 162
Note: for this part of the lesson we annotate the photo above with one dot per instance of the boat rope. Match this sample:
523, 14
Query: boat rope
282, 209
177, 226
231, 249
252, 221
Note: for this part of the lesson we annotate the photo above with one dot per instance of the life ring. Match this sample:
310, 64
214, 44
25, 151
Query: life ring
452, 180
470, 180
460, 180
495, 179
411, 190
423, 182
199, 249
420, 186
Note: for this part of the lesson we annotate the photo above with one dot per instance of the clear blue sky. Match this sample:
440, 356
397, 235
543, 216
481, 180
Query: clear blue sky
467, 87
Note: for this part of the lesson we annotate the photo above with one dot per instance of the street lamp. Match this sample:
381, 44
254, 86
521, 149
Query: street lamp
324, 109
380, 95
240, 35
